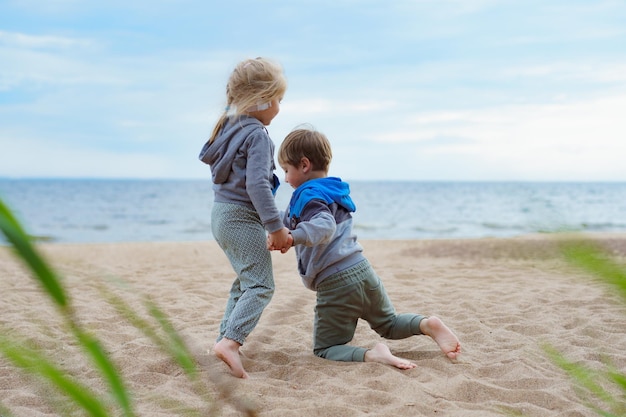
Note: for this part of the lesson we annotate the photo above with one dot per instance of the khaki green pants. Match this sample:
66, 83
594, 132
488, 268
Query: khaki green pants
344, 298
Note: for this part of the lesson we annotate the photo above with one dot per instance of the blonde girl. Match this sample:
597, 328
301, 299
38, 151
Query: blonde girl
244, 214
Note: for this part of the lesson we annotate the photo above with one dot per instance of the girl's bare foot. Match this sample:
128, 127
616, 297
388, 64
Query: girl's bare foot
447, 341
381, 354
228, 351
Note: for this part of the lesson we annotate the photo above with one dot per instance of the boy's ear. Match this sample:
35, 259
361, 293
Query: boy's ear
305, 164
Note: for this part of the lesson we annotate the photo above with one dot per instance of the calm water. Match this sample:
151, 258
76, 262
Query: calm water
160, 210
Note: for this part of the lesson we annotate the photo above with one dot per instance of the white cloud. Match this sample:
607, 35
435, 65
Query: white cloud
21, 40
25, 157
419, 89
599, 72
328, 106
576, 141
589, 123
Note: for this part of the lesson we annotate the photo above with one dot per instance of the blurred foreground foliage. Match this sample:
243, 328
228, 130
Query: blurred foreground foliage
603, 391
68, 394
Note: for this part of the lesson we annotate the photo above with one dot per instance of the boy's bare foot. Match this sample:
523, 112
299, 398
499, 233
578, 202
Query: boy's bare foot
228, 351
447, 341
381, 354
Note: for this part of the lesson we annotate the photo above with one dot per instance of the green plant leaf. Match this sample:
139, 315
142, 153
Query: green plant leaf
43, 273
594, 260
33, 362
21, 243
175, 344
591, 258
30, 360
93, 347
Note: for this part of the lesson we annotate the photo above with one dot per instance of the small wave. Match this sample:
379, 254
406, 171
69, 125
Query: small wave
499, 226
601, 227
197, 231
436, 230
97, 226
44, 238
34, 238
371, 227
158, 222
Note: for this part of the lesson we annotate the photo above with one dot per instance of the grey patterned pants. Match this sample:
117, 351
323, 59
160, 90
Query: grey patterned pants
241, 235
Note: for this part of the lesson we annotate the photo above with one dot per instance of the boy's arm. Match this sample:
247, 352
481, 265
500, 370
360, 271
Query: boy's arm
317, 225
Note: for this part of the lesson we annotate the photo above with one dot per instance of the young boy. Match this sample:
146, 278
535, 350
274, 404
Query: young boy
331, 262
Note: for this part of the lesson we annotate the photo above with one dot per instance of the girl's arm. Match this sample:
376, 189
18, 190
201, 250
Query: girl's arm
259, 170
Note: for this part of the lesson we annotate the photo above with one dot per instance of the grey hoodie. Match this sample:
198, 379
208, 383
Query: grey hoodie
321, 225
242, 168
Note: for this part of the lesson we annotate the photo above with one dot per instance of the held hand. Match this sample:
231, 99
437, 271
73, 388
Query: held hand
289, 245
280, 240
270, 245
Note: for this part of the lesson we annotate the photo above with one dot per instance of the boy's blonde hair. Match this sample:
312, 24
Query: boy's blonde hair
309, 143
253, 82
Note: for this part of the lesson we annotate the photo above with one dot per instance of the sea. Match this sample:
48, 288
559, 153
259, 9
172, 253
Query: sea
105, 210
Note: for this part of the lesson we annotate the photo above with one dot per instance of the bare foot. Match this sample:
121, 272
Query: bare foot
228, 351
381, 354
447, 341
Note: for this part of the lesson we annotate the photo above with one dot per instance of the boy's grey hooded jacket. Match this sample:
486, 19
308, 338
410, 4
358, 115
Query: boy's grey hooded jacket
242, 167
320, 222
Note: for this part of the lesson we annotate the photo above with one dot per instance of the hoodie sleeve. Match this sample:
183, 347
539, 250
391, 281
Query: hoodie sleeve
317, 226
259, 174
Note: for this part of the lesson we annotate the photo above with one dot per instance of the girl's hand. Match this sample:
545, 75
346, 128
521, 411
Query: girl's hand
280, 240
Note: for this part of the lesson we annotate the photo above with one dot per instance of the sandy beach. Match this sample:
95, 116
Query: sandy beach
504, 298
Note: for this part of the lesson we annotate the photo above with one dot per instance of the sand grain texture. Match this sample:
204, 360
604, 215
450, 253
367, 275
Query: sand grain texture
503, 298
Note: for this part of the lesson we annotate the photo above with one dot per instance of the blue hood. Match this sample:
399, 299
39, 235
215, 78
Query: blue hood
329, 189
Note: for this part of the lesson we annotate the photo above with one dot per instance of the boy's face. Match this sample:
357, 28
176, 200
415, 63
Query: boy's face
294, 175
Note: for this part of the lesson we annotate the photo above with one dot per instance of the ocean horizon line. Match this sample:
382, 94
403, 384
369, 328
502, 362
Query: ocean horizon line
361, 180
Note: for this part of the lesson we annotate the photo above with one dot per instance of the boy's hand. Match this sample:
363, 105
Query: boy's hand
289, 245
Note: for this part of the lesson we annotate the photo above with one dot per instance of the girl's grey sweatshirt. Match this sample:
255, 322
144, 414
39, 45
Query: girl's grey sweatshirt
242, 168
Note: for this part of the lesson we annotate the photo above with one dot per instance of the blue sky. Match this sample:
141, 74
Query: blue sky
411, 90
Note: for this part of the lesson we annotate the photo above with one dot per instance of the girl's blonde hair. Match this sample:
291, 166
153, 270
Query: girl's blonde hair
253, 82
306, 143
